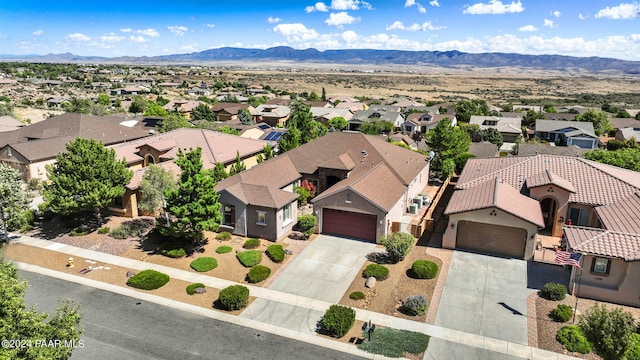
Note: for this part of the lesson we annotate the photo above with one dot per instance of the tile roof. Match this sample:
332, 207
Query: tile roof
628, 133
275, 173
594, 183
261, 195
271, 110
509, 125
496, 194
547, 177
550, 149
623, 215
603, 242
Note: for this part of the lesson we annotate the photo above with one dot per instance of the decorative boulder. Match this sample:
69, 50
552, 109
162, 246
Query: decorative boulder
371, 282
200, 290
130, 274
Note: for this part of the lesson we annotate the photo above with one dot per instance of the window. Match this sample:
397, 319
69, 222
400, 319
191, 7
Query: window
348, 201
118, 202
579, 216
286, 214
229, 215
601, 266
262, 218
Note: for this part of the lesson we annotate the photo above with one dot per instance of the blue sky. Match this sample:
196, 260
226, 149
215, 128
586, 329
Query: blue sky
158, 27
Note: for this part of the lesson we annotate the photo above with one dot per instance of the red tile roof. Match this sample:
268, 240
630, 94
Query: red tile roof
623, 215
546, 177
603, 242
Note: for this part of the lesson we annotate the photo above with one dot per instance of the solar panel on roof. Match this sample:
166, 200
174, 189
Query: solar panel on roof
264, 126
277, 135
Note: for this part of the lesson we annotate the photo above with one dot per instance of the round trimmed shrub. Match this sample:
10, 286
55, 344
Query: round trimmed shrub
415, 305
191, 289
562, 313
148, 280
573, 339
203, 264
380, 272
249, 258
258, 273
337, 320
275, 252
234, 297
356, 295
307, 224
251, 243
224, 249
424, 269
223, 236
174, 253
553, 291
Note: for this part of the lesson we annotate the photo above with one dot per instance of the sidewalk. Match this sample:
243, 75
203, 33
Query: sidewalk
452, 337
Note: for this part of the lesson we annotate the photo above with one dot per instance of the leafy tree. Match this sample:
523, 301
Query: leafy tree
162, 101
290, 140
228, 130
85, 177
138, 105
104, 100
600, 120
219, 172
397, 245
14, 201
473, 130
467, 108
614, 144
610, 332
301, 126
376, 127
203, 112
338, 123
529, 119
627, 158
194, 203
238, 166
448, 142
152, 186
75, 105
548, 108
268, 152
245, 117
19, 323
493, 136
155, 109
256, 101
173, 121
623, 114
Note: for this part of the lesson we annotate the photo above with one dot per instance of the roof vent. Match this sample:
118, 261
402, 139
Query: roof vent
363, 152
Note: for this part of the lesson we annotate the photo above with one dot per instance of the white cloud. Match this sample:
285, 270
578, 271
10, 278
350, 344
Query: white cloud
549, 23
349, 36
273, 20
112, 38
319, 6
528, 28
349, 5
37, 32
189, 48
137, 39
399, 25
126, 30
421, 9
622, 11
148, 32
582, 17
341, 18
296, 32
210, 25
78, 37
556, 13
434, 3
494, 7
177, 29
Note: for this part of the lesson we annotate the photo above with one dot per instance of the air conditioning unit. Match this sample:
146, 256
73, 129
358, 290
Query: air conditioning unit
425, 200
413, 209
418, 202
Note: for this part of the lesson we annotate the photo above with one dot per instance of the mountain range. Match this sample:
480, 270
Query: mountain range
359, 57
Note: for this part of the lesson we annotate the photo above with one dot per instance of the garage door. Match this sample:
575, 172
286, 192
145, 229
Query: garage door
494, 239
349, 224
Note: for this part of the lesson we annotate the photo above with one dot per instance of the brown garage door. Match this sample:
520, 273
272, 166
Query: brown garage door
349, 224
489, 238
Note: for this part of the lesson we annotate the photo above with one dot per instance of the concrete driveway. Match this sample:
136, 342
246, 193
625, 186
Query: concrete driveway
486, 295
322, 271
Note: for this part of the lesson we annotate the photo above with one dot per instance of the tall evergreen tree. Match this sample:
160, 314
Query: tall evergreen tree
238, 166
448, 143
219, 172
13, 200
301, 127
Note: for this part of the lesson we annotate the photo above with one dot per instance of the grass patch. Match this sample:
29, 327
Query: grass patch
203, 264
224, 249
380, 272
103, 230
395, 343
258, 273
148, 280
224, 236
249, 258
251, 243
275, 252
356, 295
191, 289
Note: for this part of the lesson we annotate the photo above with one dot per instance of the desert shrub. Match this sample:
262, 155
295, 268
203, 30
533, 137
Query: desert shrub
424, 269
397, 245
356, 295
337, 320
79, 231
395, 343
415, 305
258, 273
249, 258
128, 229
633, 352
234, 297
562, 313
251, 243
148, 280
572, 338
104, 230
203, 264
275, 252
174, 252
224, 236
191, 289
608, 331
553, 291
224, 249
307, 224
380, 272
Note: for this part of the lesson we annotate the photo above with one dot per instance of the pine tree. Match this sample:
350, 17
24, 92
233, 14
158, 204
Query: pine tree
238, 166
13, 200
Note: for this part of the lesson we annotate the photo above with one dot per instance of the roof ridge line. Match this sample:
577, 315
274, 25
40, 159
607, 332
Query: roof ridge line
393, 171
488, 177
590, 163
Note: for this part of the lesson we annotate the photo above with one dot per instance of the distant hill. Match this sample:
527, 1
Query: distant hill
362, 57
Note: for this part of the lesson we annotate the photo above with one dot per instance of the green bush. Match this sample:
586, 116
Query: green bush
337, 320
258, 273
424, 269
397, 245
129, 229
191, 289
562, 313
554, 291
251, 243
415, 305
174, 253
223, 236
572, 338
234, 297
79, 231
356, 295
275, 252
148, 280
249, 258
103, 230
608, 331
203, 264
633, 352
380, 272
224, 249
307, 224
395, 343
